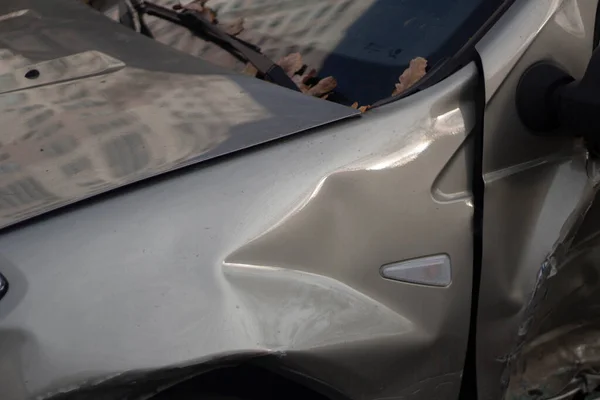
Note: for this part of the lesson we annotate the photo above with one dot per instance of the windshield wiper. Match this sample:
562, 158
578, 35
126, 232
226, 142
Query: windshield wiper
199, 26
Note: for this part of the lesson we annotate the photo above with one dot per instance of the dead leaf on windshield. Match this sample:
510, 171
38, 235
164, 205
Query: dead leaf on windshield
411, 75
362, 109
234, 27
250, 70
291, 64
210, 15
324, 86
302, 80
197, 5
200, 7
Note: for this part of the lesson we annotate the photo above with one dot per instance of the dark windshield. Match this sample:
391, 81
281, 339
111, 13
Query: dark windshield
364, 44
379, 44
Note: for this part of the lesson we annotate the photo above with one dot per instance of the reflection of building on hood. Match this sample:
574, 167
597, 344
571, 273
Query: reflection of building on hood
85, 135
278, 27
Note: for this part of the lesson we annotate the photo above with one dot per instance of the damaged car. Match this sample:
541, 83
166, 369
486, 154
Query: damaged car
276, 199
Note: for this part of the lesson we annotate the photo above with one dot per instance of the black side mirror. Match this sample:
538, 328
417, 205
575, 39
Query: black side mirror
551, 103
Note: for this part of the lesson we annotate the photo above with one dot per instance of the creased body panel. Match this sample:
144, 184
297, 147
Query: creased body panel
87, 106
537, 190
277, 250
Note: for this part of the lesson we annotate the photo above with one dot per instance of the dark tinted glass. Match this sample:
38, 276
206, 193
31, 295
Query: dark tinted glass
379, 44
364, 44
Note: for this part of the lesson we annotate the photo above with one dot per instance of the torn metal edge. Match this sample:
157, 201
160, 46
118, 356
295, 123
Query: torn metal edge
548, 269
143, 384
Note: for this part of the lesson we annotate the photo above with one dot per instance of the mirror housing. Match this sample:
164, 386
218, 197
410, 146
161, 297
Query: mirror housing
551, 103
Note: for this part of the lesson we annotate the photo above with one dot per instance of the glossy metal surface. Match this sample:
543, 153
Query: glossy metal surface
276, 250
538, 190
89, 121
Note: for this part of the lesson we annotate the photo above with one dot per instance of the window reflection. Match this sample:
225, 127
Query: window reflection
314, 27
77, 138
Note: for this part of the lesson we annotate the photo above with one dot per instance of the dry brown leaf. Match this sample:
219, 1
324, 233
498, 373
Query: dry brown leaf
250, 70
291, 64
196, 5
411, 75
303, 88
199, 6
300, 80
210, 15
324, 86
362, 109
310, 74
297, 79
234, 27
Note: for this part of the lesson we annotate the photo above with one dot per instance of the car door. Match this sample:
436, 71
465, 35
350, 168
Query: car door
538, 190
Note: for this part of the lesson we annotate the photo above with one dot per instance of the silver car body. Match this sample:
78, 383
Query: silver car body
273, 252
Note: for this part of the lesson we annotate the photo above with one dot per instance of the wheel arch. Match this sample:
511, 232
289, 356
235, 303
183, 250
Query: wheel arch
245, 375
258, 379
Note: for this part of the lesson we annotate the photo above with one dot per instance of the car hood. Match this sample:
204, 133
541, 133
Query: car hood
88, 106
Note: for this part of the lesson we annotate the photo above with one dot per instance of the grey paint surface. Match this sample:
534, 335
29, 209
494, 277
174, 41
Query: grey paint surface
276, 250
97, 118
537, 190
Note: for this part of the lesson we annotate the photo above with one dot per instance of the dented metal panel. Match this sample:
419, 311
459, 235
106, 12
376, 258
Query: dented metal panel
89, 106
276, 251
537, 191
562, 362
560, 349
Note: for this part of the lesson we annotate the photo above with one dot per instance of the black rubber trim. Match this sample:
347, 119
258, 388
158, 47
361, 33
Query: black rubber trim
131, 14
468, 389
597, 27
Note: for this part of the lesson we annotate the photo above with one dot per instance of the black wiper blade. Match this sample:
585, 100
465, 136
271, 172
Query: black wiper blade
202, 28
